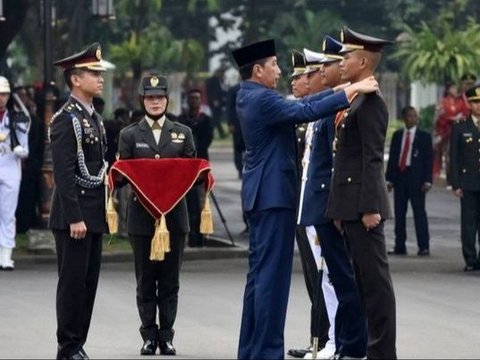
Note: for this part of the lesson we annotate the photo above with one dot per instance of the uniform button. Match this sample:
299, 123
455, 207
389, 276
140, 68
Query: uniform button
464, 171
343, 125
134, 198
323, 185
349, 179
157, 156
82, 192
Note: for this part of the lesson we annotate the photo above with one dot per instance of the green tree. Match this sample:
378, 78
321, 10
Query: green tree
439, 52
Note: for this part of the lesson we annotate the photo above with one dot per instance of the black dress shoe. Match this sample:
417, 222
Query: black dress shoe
166, 348
469, 268
84, 354
423, 252
299, 353
149, 347
396, 252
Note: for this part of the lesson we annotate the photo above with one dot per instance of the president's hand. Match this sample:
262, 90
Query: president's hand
78, 230
371, 221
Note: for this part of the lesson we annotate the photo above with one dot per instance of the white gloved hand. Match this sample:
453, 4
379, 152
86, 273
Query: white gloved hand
20, 151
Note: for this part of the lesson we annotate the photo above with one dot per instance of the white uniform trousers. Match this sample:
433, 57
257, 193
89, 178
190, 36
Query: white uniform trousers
9, 189
331, 301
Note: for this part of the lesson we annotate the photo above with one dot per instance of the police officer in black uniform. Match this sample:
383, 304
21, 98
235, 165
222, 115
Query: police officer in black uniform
465, 176
155, 137
77, 217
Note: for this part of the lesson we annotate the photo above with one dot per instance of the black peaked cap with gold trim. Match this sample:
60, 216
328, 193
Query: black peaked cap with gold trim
298, 63
153, 84
253, 52
331, 49
473, 94
353, 40
89, 59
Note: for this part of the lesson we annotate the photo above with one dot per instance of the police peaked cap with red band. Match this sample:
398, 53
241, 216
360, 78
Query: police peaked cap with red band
160, 184
89, 59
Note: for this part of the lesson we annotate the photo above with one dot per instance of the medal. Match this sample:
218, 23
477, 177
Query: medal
3, 137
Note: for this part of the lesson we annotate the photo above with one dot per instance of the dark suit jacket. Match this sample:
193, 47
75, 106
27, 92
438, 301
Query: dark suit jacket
269, 179
319, 174
202, 130
421, 161
137, 142
465, 156
72, 203
358, 183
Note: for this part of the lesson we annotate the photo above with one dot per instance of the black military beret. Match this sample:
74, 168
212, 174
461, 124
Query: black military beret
153, 84
90, 59
253, 52
353, 40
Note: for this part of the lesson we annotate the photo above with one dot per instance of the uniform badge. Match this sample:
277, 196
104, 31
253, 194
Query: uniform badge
3, 137
154, 81
174, 135
181, 136
98, 54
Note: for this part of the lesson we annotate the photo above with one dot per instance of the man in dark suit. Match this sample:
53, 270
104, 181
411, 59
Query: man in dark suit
269, 191
202, 130
465, 177
216, 98
155, 137
77, 218
358, 199
409, 174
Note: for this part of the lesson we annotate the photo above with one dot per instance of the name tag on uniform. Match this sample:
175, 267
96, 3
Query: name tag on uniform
141, 145
88, 130
467, 134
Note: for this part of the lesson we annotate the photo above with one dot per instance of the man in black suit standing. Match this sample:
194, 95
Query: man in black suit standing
465, 177
202, 130
409, 174
77, 218
358, 199
156, 137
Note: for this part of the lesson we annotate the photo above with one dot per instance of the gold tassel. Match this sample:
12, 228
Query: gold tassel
160, 240
206, 221
112, 217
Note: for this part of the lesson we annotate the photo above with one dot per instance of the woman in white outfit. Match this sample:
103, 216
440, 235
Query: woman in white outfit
13, 147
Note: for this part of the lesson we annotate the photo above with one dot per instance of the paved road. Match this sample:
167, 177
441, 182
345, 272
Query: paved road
437, 304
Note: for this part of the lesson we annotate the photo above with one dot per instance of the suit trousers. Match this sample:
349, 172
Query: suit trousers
406, 189
78, 264
375, 286
265, 299
470, 222
310, 274
350, 322
157, 286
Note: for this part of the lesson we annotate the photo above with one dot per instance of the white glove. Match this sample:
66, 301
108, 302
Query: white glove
20, 151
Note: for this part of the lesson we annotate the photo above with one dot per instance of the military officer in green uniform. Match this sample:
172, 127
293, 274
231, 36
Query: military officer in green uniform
155, 137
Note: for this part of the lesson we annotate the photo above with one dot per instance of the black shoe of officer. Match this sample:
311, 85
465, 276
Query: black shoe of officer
149, 347
84, 354
299, 353
166, 348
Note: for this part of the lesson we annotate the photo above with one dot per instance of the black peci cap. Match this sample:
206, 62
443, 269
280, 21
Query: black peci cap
353, 40
89, 59
253, 52
153, 84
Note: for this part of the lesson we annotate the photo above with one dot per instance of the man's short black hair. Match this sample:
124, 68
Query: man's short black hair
67, 74
246, 70
405, 110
